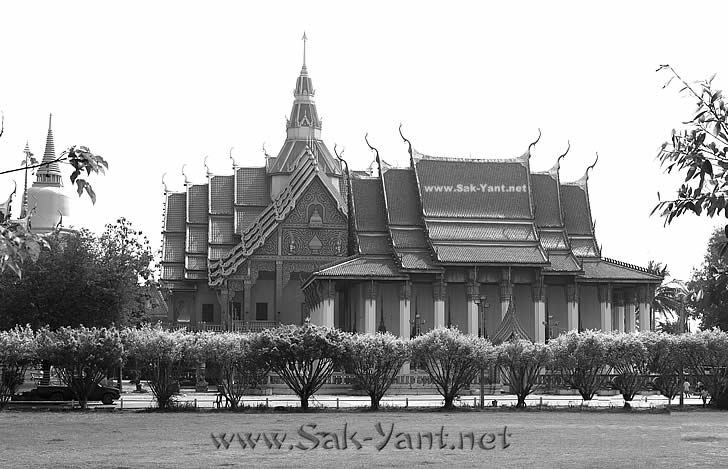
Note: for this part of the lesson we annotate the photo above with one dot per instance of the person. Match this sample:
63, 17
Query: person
704, 395
686, 388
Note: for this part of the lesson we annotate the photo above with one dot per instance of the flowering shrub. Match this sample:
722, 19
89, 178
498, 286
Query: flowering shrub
520, 363
18, 350
665, 361
451, 359
82, 356
161, 355
241, 366
303, 356
630, 360
706, 355
375, 361
581, 359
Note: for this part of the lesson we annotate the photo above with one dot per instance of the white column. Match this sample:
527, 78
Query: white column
539, 314
619, 309
405, 294
370, 309
605, 307
572, 307
327, 306
473, 295
645, 313
438, 295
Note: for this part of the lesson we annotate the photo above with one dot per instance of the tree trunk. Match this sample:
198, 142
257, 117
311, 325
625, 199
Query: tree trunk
449, 402
374, 402
521, 401
304, 402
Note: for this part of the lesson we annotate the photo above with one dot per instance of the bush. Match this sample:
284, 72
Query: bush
521, 362
375, 360
303, 356
581, 359
451, 359
664, 360
706, 355
18, 350
161, 355
630, 360
81, 355
240, 366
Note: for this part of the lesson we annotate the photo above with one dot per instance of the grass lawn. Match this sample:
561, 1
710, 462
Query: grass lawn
533, 439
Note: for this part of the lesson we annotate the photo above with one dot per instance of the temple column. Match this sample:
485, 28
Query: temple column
223, 298
645, 310
405, 294
370, 309
438, 293
279, 290
630, 305
572, 307
327, 304
473, 297
249, 305
506, 292
618, 300
539, 312
605, 307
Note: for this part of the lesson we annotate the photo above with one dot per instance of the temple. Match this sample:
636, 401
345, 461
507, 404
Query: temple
486, 245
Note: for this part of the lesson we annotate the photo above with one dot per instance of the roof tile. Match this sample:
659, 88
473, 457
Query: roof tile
546, 200
490, 254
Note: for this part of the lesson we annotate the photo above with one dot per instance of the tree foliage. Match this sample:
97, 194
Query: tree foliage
711, 279
82, 356
303, 356
520, 363
375, 360
630, 360
18, 350
241, 366
582, 360
700, 151
665, 360
451, 359
706, 355
79, 278
161, 355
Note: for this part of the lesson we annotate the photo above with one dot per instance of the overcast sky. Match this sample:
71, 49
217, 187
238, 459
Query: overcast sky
154, 85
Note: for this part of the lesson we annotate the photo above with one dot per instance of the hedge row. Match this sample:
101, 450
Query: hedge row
305, 357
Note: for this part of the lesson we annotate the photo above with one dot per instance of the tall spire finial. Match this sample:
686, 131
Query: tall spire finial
304, 39
50, 120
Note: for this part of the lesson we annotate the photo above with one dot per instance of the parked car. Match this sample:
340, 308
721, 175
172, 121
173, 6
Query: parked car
104, 394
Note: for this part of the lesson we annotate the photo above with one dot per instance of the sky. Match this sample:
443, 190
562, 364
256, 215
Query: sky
152, 86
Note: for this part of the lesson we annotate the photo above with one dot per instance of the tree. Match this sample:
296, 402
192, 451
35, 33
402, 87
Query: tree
581, 360
161, 355
712, 281
18, 350
701, 151
81, 279
451, 359
665, 359
630, 360
520, 363
303, 356
706, 355
375, 361
82, 356
19, 246
241, 366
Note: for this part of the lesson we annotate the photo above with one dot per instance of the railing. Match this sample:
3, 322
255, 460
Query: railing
239, 326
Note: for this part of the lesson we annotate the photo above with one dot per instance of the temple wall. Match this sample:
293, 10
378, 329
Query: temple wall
423, 304
291, 300
264, 292
390, 306
589, 307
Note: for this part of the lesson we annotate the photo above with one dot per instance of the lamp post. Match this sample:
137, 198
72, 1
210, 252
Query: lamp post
482, 306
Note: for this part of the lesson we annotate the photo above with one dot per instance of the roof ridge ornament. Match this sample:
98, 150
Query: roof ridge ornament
164, 183
376, 157
187, 180
207, 168
527, 155
554, 171
230, 155
409, 144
